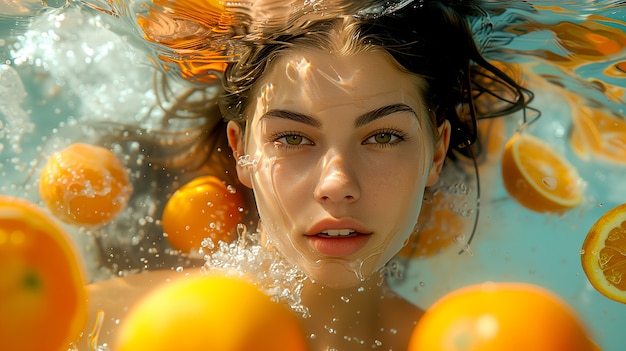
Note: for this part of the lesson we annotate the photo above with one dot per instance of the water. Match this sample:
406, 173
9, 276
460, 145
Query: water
69, 69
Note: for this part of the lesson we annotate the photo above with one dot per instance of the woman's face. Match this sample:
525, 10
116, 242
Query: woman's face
340, 152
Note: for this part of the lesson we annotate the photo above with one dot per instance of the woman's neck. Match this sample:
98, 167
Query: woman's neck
367, 316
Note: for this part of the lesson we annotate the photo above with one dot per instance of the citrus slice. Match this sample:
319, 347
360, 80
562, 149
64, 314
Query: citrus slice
500, 316
604, 254
438, 228
203, 208
210, 312
42, 298
598, 133
539, 178
84, 185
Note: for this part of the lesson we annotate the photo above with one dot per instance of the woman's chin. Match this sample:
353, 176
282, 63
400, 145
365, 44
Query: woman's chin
339, 274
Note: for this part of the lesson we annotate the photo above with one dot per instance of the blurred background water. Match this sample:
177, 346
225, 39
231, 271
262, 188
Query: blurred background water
64, 65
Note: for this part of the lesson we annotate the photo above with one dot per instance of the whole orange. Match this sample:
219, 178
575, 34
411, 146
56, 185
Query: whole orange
210, 312
203, 208
43, 304
500, 316
84, 185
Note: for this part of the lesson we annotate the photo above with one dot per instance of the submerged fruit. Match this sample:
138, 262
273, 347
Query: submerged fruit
210, 312
42, 298
500, 316
84, 185
539, 178
202, 208
604, 254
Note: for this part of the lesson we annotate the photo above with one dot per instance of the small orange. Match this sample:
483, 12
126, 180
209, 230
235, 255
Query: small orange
203, 208
210, 312
539, 178
84, 185
43, 304
500, 316
604, 254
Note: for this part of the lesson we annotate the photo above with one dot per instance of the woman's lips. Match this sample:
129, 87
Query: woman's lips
338, 246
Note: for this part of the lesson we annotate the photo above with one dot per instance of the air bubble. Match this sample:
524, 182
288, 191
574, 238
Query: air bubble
549, 182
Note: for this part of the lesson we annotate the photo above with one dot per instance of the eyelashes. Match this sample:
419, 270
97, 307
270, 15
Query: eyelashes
387, 137
290, 140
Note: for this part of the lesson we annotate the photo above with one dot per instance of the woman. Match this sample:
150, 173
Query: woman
338, 127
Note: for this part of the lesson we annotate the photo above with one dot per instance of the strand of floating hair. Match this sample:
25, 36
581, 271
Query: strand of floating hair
521, 92
475, 225
515, 105
95, 331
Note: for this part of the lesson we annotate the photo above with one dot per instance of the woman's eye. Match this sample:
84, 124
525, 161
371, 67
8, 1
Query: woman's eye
293, 140
383, 138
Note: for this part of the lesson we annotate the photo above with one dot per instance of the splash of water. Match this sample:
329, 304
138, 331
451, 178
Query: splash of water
265, 267
16, 122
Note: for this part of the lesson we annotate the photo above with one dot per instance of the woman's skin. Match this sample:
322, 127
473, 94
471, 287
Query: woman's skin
339, 145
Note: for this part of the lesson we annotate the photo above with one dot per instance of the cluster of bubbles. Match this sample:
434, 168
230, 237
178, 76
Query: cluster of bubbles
269, 270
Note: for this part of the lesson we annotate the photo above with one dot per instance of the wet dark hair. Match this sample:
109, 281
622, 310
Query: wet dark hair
431, 39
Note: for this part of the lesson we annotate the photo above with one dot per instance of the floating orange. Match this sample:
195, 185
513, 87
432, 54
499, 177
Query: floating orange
500, 316
596, 132
42, 298
210, 312
604, 254
539, 178
84, 185
203, 208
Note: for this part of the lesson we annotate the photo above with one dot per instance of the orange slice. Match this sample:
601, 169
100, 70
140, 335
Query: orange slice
438, 228
203, 208
604, 254
84, 185
42, 298
539, 178
596, 132
210, 312
500, 316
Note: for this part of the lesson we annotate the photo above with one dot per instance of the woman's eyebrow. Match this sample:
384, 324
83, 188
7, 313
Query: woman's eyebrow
360, 121
294, 116
382, 112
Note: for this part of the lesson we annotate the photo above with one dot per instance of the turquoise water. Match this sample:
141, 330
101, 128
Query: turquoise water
66, 68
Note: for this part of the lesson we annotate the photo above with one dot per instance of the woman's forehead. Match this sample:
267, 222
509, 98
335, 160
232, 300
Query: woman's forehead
314, 80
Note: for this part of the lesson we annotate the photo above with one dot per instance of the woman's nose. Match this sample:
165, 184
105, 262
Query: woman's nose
337, 181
